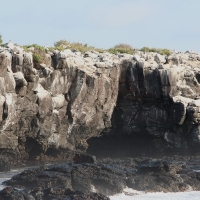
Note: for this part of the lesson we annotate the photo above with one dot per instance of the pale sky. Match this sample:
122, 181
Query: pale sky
172, 24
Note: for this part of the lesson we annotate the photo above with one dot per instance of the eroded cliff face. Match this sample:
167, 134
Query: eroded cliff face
74, 97
60, 105
159, 96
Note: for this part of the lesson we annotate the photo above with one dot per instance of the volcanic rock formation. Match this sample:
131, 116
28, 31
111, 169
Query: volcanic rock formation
77, 96
108, 177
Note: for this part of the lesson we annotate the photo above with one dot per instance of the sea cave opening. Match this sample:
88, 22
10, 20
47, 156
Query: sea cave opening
127, 145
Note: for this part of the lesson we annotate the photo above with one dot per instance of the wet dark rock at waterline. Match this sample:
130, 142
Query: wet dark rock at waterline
111, 176
83, 158
4, 164
49, 194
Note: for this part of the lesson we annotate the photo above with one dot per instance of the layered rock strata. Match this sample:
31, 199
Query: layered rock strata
76, 96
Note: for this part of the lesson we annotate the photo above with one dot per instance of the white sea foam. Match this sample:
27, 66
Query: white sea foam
194, 195
128, 193
4, 176
1, 181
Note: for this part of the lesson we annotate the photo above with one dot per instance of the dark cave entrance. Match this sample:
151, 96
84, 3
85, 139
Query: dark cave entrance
33, 148
128, 145
198, 77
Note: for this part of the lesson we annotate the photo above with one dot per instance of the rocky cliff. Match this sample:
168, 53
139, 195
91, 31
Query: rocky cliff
77, 96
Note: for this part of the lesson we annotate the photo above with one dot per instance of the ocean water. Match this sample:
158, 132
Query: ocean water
1, 181
130, 194
159, 196
7, 175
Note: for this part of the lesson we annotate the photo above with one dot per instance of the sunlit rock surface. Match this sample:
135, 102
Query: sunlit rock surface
76, 96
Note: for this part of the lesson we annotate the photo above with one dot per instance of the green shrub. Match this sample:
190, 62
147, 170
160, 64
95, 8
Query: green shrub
61, 43
41, 48
81, 47
60, 48
1, 41
39, 54
99, 50
36, 58
36, 47
121, 48
156, 50
165, 52
64, 44
124, 46
145, 49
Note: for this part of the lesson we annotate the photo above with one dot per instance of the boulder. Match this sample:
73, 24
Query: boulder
10, 45
59, 101
19, 79
17, 49
65, 53
136, 57
82, 158
159, 59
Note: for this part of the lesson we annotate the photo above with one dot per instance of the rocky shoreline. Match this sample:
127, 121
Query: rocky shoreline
51, 109
144, 106
92, 179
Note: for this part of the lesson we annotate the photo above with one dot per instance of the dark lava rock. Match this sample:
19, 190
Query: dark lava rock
10, 193
82, 158
4, 164
52, 193
85, 177
111, 176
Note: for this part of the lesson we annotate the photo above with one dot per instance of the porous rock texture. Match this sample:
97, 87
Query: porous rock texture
111, 176
76, 96
49, 194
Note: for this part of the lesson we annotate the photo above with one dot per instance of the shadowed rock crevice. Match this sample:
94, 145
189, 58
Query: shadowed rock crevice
53, 152
126, 145
33, 148
136, 145
5, 111
198, 77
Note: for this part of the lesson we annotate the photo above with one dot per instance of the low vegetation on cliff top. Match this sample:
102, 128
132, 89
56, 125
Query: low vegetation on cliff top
39, 51
1, 41
120, 48
39, 54
63, 44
